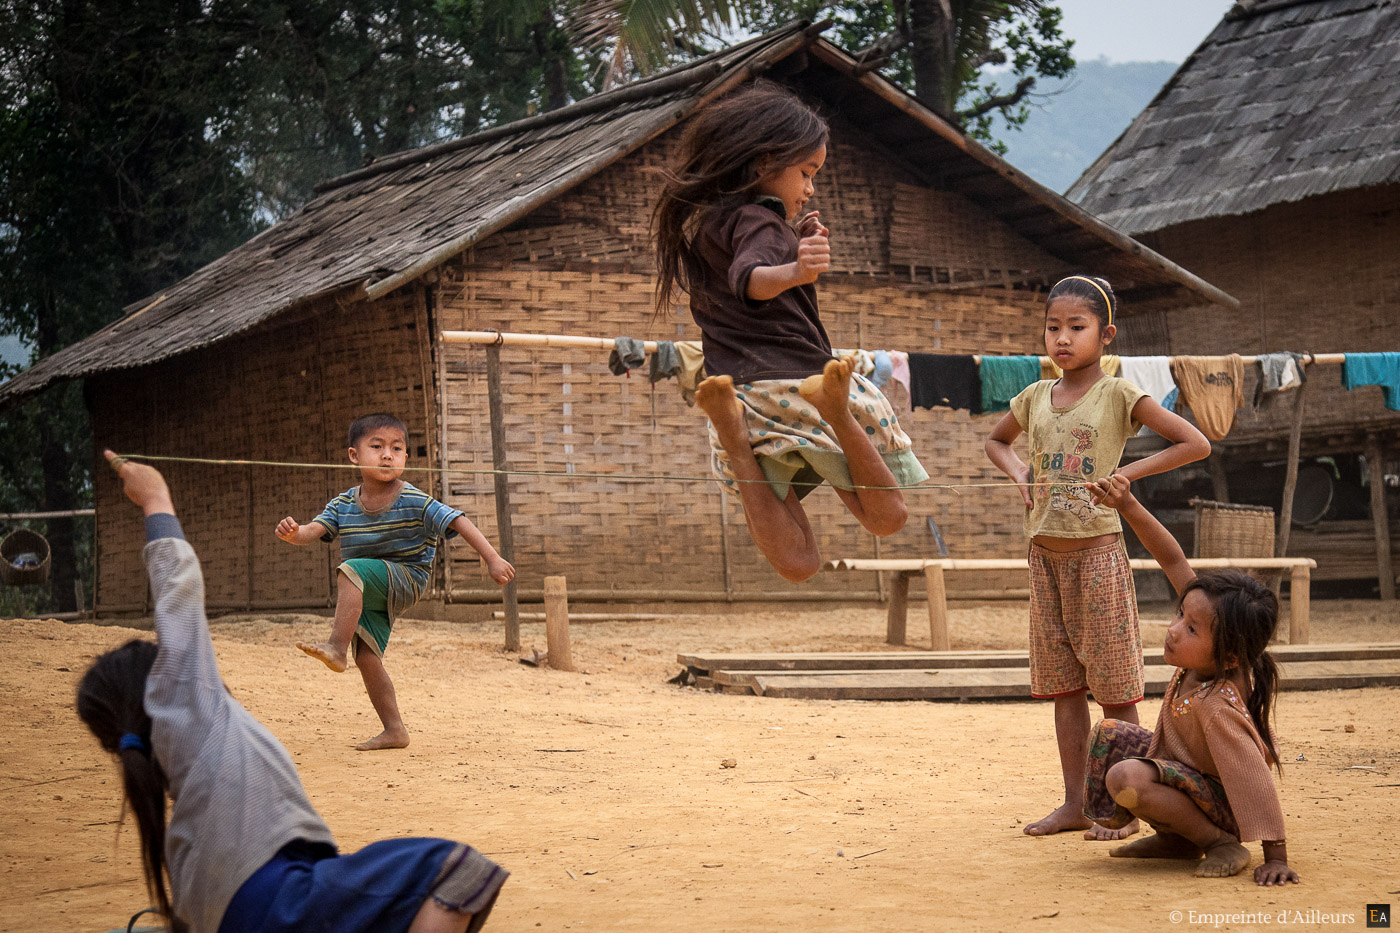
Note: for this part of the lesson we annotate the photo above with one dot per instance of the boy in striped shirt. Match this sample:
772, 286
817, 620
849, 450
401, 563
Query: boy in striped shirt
388, 531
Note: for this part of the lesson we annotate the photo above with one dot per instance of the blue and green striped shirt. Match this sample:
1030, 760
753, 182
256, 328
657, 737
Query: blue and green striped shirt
404, 533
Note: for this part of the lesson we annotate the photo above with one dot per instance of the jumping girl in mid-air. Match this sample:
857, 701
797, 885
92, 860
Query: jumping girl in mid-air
244, 850
1201, 779
1084, 624
785, 415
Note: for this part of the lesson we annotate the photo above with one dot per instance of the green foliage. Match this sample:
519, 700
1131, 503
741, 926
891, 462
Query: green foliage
996, 46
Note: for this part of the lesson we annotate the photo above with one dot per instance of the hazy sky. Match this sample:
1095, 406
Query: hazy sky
1139, 30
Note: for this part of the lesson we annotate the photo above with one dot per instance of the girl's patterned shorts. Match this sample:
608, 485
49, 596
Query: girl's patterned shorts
1114, 741
1084, 625
797, 449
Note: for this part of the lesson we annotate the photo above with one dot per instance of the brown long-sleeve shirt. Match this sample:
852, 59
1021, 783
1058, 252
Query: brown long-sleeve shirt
1210, 729
781, 338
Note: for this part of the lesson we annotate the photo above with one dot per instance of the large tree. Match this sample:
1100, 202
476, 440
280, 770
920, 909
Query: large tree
140, 140
941, 49
111, 186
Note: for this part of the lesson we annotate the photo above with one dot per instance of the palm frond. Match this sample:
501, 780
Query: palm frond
644, 30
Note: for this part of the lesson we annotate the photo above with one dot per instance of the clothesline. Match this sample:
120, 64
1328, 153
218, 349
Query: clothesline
606, 343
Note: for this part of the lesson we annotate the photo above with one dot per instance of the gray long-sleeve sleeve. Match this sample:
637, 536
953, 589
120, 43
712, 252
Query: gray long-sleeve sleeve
237, 797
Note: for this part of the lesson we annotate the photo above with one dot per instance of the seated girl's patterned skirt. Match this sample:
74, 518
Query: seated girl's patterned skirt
796, 448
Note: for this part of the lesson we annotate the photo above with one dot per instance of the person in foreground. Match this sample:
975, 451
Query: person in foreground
1201, 779
389, 531
243, 849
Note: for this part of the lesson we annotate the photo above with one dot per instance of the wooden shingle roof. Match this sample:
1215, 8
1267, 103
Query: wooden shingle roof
1284, 100
378, 228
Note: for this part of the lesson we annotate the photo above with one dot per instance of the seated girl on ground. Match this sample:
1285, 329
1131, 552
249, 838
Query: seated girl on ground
1201, 779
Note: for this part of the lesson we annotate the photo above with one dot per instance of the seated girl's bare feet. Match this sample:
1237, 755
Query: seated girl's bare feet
717, 400
328, 654
1159, 845
830, 391
389, 738
1097, 833
1224, 857
1065, 818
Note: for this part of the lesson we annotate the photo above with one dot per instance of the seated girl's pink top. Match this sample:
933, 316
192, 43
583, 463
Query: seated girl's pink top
1211, 730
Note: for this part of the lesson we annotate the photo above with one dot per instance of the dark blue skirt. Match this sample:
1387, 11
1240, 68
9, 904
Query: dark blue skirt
306, 887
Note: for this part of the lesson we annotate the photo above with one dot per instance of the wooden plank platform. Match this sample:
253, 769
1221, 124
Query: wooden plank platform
702, 663
1014, 683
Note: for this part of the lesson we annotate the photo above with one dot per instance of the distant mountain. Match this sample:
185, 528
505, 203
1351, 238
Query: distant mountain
1075, 119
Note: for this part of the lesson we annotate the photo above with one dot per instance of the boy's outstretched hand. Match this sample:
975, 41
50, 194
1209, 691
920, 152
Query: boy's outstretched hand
142, 484
287, 530
500, 569
1112, 491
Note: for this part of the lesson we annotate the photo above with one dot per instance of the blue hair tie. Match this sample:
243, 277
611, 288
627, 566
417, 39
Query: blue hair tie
133, 741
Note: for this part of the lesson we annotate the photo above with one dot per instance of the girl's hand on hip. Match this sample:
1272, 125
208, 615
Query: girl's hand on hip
1023, 476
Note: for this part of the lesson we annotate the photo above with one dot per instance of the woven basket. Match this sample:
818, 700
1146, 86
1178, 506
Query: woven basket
1224, 529
18, 542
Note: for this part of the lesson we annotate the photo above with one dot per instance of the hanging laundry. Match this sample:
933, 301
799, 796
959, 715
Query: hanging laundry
1212, 386
899, 370
944, 380
1109, 363
692, 368
627, 354
884, 366
1003, 378
865, 360
1279, 372
1374, 369
1153, 375
665, 362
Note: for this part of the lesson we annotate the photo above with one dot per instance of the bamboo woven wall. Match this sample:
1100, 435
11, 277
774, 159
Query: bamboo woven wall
565, 412
286, 393
1321, 275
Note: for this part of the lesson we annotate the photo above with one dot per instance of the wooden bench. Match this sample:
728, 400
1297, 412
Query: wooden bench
934, 570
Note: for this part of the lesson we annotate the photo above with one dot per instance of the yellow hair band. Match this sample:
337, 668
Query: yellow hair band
1084, 278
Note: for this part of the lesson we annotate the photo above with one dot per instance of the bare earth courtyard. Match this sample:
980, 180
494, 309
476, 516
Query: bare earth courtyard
603, 792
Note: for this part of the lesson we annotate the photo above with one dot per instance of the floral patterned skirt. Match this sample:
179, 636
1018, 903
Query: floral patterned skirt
1113, 741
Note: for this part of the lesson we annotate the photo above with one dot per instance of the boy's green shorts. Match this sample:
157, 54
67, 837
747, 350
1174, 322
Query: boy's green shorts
371, 577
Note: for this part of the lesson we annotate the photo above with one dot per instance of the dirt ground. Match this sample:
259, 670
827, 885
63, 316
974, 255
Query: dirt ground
603, 793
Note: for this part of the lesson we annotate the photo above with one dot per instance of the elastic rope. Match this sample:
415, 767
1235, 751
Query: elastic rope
629, 477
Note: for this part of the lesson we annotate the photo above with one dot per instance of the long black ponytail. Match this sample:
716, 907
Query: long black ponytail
1246, 613
111, 702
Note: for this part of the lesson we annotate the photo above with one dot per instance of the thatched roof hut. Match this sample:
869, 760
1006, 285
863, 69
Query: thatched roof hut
541, 226
1270, 163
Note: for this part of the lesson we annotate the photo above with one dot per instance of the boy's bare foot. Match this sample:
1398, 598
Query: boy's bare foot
717, 400
830, 391
327, 654
1065, 818
1224, 857
1097, 833
1159, 845
389, 738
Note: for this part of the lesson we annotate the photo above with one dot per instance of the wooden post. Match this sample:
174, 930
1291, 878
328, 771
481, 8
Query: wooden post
899, 608
1299, 604
937, 607
504, 530
1220, 488
1290, 487
556, 624
1380, 518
